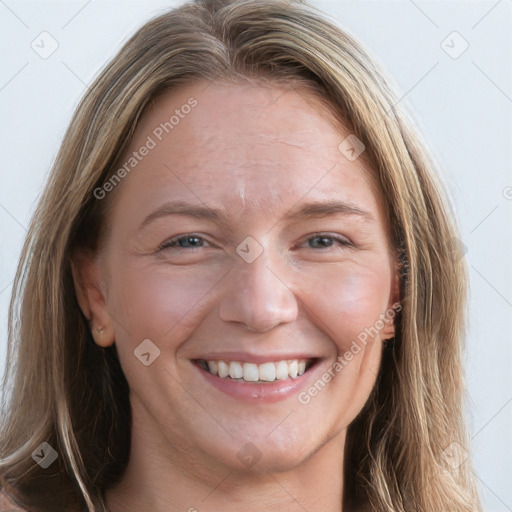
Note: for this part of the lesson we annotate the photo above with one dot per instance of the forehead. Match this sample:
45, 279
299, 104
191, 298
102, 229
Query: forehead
266, 146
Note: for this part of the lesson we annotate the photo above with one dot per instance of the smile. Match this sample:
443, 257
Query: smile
260, 373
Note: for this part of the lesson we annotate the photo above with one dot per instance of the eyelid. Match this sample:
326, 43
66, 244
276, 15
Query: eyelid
167, 243
341, 239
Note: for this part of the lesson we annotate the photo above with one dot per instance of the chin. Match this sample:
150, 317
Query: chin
257, 452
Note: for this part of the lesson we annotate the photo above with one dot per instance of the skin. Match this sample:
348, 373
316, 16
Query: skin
255, 151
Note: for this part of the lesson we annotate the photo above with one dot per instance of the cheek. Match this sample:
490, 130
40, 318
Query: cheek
349, 302
153, 303
347, 308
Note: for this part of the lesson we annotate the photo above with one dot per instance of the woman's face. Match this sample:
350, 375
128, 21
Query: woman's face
243, 234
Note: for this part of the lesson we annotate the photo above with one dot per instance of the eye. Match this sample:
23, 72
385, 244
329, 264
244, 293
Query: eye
188, 241
321, 241
193, 241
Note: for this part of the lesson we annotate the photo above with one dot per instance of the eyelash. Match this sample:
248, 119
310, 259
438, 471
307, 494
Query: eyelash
169, 243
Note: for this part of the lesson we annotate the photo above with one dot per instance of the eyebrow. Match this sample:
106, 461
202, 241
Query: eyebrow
324, 208
303, 211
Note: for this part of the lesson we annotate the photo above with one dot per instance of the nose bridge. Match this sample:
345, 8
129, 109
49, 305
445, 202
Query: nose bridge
258, 294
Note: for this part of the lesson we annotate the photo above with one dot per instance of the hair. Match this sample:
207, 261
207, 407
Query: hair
61, 388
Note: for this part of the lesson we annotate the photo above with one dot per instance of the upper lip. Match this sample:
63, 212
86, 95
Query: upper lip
254, 358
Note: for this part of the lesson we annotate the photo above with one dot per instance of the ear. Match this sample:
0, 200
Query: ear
90, 293
388, 331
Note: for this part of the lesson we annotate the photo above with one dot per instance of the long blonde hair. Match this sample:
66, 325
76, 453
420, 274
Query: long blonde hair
60, 388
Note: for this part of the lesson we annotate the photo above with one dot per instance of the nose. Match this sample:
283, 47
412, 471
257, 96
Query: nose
258, 296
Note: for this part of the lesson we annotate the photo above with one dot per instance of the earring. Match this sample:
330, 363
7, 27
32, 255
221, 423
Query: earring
100, 329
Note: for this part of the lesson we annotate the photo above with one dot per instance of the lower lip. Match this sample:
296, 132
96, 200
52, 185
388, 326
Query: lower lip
264, 392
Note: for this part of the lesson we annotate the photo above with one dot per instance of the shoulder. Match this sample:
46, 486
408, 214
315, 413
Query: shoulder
7, 503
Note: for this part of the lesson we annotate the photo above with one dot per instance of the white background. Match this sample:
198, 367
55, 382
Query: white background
463, 106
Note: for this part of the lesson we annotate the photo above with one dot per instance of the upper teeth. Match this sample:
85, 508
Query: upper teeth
251, 372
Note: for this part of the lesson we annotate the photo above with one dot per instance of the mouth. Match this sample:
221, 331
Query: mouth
263, 373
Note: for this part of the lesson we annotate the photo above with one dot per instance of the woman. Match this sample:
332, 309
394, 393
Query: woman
239, 280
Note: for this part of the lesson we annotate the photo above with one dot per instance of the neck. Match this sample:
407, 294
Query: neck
161, 478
